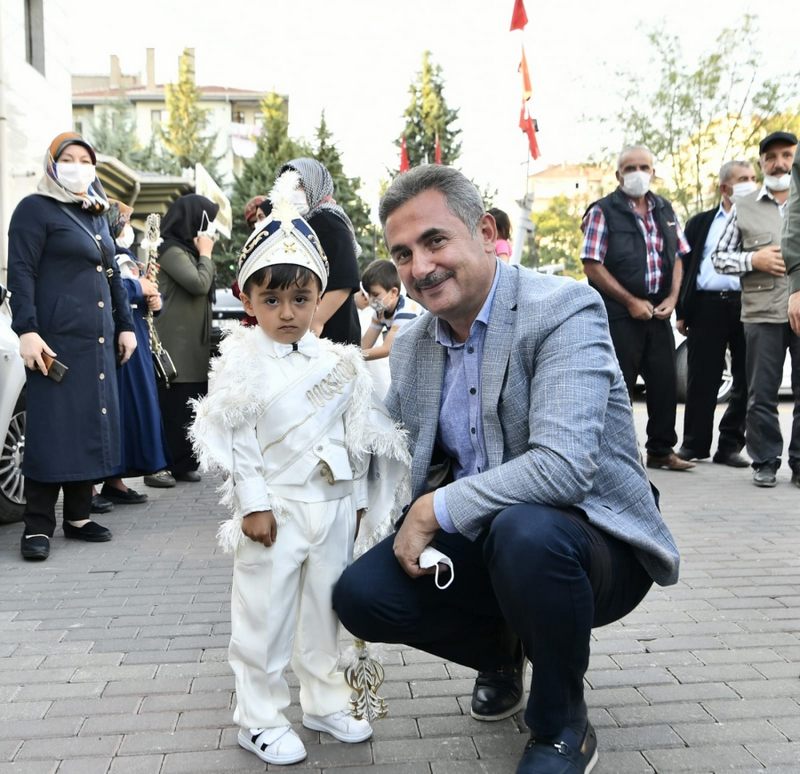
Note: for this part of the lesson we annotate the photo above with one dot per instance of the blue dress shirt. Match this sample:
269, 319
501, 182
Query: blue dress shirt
707, 276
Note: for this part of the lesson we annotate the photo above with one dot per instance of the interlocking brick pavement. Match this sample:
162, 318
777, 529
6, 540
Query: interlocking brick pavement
113, 656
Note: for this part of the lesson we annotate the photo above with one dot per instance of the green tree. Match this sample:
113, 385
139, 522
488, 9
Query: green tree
114, 134
558, 237
183, 135
700, 114
428, 114
274, 148
346, 190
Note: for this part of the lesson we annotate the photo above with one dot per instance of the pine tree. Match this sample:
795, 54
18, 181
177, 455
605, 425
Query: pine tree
346, 190
428, 114
182, 136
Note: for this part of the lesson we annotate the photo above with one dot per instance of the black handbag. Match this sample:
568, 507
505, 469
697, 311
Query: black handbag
162, 362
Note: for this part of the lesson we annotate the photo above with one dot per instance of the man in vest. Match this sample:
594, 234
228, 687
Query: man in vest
750, 248
709, 315
632, 242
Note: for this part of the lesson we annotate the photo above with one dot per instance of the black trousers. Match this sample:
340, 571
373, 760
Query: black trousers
40, 504
177, 416
543, 573
715, 326
647, 348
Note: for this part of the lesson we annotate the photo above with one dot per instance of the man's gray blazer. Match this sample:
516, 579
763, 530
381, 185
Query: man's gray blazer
557, 419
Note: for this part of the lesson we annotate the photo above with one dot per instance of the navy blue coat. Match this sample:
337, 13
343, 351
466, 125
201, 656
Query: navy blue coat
59, 290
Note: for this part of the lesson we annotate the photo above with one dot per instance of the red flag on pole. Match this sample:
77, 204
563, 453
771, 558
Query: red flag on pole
437, 154
518, 18
527, 90
528, 126
404, 165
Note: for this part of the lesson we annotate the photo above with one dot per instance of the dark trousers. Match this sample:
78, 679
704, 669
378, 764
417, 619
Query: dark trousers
40, 504
177, 416
647, 348
715, 326
766, 352
544, 573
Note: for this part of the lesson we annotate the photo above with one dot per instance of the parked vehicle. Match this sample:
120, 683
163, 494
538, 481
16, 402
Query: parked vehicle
226, 312
12, 417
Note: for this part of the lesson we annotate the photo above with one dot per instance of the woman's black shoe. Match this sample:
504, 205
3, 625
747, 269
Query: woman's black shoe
35, 548
192, 476
129, 497
101, 504
91, 532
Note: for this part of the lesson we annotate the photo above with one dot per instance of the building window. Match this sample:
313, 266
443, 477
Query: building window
238, 117
34, 34
155, 118
79, 127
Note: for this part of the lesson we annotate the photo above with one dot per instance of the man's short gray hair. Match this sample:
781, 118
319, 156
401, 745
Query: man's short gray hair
462, 197
726, 170
628, 148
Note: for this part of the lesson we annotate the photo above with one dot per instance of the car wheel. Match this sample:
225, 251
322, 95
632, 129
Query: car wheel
681, 371
12, 497
726, 385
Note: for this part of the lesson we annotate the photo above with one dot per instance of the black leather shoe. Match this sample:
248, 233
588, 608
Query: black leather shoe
567, 753
689, 454
35, 548
101, 505
498, 694
191, 476
764, 475
128, 497
796, 478
731, 459
91, 532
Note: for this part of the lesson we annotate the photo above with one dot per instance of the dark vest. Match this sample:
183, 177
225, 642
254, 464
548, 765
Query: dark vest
626, 256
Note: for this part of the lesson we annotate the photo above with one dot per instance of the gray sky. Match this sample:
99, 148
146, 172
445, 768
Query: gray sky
356, 59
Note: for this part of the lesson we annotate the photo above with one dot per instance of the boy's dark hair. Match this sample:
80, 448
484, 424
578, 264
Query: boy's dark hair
381, 272
281, 276
503, 222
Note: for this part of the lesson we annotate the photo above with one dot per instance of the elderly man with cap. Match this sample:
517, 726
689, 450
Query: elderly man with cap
750, 247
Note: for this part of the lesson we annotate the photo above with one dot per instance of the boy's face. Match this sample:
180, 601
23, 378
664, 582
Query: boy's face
284, 314
381, 299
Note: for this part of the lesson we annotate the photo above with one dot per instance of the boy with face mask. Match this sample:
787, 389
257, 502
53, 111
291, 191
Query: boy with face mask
392, 310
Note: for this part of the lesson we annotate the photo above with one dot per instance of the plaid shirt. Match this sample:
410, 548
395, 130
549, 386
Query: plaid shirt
595, 240
728, 256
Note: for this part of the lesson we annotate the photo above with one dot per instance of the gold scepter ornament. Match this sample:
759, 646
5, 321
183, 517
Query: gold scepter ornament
365, 675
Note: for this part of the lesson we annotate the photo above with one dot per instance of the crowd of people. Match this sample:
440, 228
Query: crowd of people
501, 448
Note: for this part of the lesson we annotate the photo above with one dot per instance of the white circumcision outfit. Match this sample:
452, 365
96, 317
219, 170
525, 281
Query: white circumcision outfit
298, 432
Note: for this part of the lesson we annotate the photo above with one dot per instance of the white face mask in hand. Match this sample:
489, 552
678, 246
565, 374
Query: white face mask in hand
125, 239
430, 557
210, 226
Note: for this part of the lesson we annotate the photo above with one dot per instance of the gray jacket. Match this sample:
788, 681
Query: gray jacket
790, 244
556, 416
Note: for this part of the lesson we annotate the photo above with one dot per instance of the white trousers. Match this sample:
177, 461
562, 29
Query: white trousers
281, 611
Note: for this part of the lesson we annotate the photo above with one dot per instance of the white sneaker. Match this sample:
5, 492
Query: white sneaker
340, 725
274, 745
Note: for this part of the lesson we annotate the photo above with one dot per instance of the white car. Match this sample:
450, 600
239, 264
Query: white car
12, 418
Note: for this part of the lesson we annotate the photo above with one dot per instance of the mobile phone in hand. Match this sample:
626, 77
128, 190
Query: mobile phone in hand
56, 370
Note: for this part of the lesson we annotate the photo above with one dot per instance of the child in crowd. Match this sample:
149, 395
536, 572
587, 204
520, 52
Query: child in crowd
381, 283
307, 450
502, 246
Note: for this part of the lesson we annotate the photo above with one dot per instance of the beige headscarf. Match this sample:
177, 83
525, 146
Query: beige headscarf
94, 200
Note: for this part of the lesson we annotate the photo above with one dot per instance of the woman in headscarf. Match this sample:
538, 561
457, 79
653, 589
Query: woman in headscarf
68, 303
337, 316
144, 447
186, 282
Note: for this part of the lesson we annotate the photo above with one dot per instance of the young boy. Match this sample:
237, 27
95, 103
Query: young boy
290, 419
381, 282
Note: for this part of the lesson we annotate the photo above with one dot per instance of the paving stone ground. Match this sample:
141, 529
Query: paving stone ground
113, 656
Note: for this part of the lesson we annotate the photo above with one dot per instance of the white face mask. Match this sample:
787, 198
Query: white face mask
430, 557
299, 201
208, 227
125, 239
636, 184
76, 178
378, 305
778, 182
743, 189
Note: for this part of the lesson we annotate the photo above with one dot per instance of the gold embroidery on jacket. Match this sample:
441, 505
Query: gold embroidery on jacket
333, 384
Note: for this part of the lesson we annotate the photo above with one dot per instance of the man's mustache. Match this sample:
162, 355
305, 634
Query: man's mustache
433, 279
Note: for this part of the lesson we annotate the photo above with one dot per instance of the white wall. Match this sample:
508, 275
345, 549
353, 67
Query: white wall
35, 107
